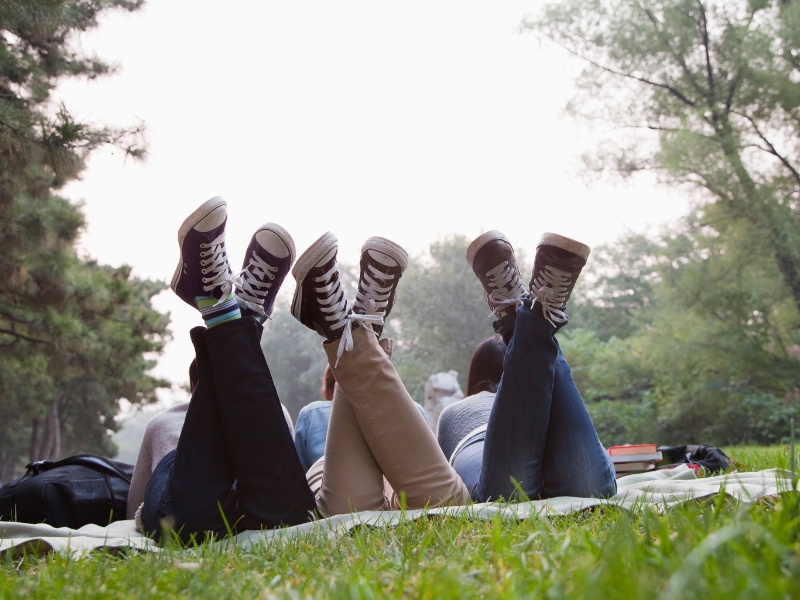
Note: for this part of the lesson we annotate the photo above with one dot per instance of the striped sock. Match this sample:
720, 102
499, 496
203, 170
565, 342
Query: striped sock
214, 314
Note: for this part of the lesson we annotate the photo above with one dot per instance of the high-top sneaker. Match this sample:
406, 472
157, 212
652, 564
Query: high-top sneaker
559, 261
382, 265
491, 257
319, 302
266, 263
203, 277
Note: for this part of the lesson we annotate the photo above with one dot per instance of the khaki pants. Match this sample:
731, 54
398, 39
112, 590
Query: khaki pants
376, 431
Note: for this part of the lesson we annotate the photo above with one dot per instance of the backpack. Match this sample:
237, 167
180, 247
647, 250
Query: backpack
709, 457
72, 492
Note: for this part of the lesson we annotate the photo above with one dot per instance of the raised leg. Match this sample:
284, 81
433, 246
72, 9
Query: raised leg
191, 486
398, 436
575, 462
270, 482
516, 434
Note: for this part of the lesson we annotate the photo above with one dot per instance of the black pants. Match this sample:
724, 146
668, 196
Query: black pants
235, 456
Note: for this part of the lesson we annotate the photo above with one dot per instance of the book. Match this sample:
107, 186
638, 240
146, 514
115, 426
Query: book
634, 467
632, 449
654, 456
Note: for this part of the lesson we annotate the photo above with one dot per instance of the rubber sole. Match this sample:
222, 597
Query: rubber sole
483, 239
565, 243
193, 219
286, 238
387, 247
306, 262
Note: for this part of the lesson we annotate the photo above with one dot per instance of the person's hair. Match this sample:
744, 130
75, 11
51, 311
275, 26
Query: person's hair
486, 366
193, 374
328, 382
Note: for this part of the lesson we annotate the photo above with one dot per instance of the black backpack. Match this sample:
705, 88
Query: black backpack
709, 457
72, 492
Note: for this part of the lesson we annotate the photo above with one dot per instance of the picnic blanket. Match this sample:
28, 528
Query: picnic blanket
659, 489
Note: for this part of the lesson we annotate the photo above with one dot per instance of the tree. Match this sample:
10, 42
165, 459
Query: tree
712, 354
703, 92
73, 334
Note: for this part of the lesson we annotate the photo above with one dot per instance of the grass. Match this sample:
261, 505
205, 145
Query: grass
712, 549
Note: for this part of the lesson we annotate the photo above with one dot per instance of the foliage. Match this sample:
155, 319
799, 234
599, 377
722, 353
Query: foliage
73, 334
705, 93
712, 549
691, 336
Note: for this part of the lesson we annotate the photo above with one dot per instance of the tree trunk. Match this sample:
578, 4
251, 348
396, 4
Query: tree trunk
49, 447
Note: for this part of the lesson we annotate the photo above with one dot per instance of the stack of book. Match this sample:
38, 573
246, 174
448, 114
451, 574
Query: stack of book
634, 458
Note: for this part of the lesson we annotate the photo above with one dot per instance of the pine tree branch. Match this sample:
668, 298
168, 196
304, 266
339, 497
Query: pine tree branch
22, 336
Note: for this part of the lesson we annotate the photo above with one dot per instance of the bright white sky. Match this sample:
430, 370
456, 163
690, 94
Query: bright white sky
408, 120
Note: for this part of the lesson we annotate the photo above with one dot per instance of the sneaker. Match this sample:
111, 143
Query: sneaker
319, 302
266, 263
203, 270
491, 257
382, 265
559, 261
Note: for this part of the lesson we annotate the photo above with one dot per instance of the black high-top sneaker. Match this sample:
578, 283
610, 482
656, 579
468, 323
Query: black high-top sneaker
266, 264
382, 265
491, 257
559, 261
319, 302
203, 270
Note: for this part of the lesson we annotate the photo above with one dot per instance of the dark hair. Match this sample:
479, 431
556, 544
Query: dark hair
193, 374
328, 382
486, 366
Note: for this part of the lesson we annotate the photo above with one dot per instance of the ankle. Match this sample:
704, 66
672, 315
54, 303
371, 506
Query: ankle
217, 311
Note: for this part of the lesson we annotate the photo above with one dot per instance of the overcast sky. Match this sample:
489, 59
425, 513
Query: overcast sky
408, 120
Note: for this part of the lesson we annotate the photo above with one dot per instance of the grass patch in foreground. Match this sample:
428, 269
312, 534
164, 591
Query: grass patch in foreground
711, 549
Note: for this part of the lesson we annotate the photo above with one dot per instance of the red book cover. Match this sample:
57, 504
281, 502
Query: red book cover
629, 449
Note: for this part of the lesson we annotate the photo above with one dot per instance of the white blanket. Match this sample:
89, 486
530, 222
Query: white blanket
659, 489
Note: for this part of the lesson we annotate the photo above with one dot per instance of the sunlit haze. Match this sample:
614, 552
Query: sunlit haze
411, 121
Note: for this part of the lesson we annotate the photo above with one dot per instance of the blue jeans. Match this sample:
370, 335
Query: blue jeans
311, 431
235, 459
539, 432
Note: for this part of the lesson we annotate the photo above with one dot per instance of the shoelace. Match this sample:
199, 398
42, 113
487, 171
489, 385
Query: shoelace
375, 296
251, 285
336, 307
550, 289
217, 266
499, 277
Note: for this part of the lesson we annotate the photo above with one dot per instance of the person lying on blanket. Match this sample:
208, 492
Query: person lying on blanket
235, 466
534, 437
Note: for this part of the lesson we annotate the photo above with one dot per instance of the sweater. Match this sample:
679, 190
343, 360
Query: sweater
464, 419
161, 437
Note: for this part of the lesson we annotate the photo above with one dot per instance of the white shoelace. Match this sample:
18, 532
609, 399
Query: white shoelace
499, 277
550, 289
336, 308
250, 282
217, 266
375, 296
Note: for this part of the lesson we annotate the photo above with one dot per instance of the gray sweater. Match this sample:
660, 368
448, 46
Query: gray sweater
463, 419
